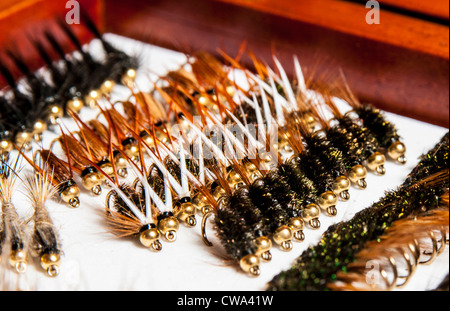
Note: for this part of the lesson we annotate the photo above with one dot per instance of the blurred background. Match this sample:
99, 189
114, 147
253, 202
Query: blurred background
397, 58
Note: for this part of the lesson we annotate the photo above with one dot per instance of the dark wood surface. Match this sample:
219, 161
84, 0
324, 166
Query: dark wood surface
400, 65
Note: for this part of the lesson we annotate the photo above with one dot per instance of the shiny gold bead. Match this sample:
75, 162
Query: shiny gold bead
267, 160
121, 165
283, 145
263, 246
161, 136
265, 156
54, 114
252, 171
75, 104
341, 186
39, 127
108, 169
70, 195
327, 199
169, 227
397, 152
107, 86
129, 77
203, 100
376, 162
211, 104
357, 172
309, 120
23, 140
234, 177
92, 98
92, 182
341, 183
311, 211
5, 146
149, 238
131, 73
148, 139
283, 236
297, 225
201, 203
51, 262
231, 90
18, 260
218, 192
250, 264
132, 151
186, 213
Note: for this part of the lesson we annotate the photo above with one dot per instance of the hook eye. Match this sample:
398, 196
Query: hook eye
434, 251
135, 183
410, 267
203, 228
390, 284
107, 200
443, 241
415, 248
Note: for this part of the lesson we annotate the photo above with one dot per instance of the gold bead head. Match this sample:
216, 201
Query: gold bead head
231, 90
234, 179
327, 199
18, 260
132, 151
92, 98
5, 146
311, 214
283, 236
263, 246
23, 140
357, 175
210, 104
397, 152
39, 127
129, 77
50, 262
168, 228
284, 146
92, 181
267, 160
148, 139
121, 165
311, 211
55, 112
218, 192
376, 162
252, 171
250, 264
150, 238
309, 120
108, 168
71, 195
186, 213
107, 87
75, 104
297, 225
201, 203
341, 186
